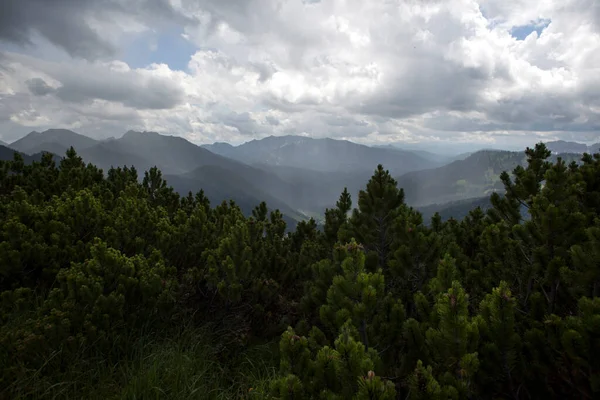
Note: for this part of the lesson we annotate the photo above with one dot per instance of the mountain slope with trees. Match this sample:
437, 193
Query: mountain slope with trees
230, 185
114, 286
297, 191
190, 167
477, 175
7, 154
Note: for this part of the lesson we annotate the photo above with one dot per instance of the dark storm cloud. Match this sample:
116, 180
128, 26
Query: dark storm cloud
39, 87
129, 88
81, 82
65, 22
569, 111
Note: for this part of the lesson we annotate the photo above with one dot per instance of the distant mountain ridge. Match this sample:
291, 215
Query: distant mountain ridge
326, 155
562, 146
476, 176
300, 176
54, 140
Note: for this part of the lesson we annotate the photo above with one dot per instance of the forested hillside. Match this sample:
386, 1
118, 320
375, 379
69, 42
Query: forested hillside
118, 287
474, 176
6, 154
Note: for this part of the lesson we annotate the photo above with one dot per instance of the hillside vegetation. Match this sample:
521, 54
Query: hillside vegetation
476, 176
117, 287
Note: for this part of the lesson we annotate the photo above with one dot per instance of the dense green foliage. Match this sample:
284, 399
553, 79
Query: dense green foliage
118, 287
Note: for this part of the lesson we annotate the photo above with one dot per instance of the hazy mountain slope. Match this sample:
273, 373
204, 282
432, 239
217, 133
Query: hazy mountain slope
322, 154
229, 186
54, 140
455, 209
459, 157
221, 148
177, 156
52, 147
191, 168
312, 191
106, 156
476, 176
174, 155
562, 146
436, 159
7, 154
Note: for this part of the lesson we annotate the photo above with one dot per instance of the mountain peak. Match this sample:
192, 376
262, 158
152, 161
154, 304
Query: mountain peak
323, 154
55, 140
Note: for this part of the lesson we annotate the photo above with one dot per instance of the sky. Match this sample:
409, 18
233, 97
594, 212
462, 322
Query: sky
494, 73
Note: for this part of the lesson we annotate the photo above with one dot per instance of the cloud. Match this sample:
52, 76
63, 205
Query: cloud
39, 87
374, 71
83, 82
88, 29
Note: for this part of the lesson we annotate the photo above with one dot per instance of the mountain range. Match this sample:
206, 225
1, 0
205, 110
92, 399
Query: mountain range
324, 155
561, 146
300, 176
56, 141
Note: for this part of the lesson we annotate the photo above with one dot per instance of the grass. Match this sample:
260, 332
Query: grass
181, 365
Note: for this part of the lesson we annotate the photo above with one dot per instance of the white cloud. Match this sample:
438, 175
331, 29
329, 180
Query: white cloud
376, 71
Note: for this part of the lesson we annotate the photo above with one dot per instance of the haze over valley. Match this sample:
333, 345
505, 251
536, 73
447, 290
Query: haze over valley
300, 176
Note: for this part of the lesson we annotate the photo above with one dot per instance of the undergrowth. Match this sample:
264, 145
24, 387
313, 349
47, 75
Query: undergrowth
167, 365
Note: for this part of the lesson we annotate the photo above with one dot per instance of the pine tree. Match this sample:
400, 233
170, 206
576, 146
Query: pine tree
359, 296
371, 224
583, 279
343, 371
336, 218
500, 344
416, 252
452, 344
556, 224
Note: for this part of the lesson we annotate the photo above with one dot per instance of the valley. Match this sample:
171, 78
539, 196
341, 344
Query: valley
300, 176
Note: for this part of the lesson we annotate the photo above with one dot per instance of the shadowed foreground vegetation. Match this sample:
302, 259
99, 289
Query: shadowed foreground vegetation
112, 288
